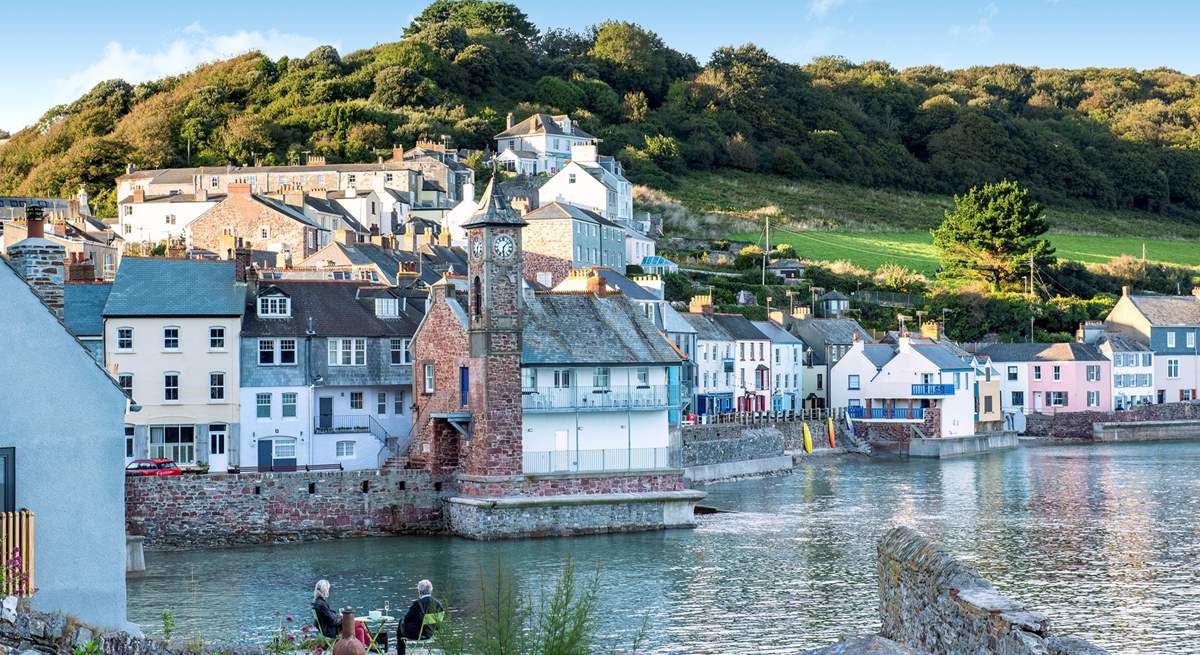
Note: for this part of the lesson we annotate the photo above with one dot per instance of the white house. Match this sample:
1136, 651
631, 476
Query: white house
143, 218
171, 340
715, 374
786, 366
1132, 370
1015, 398
899, 383
539, 144
592, 182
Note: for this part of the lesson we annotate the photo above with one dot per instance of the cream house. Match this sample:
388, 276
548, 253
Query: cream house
171, 340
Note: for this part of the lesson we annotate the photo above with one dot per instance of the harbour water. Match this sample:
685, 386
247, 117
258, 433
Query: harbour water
1103, 538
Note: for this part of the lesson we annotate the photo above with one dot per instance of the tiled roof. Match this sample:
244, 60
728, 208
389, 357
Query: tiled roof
175, 197
83, 307
775, 332
543, 124
1169, 310
941, 356
337, 308
285, 209
583, 329
1120, 343
833, 295
830, 330
739, 327
561, 211
706, 328
879, 353
1043, 352
148, 286
785, 264
674, 321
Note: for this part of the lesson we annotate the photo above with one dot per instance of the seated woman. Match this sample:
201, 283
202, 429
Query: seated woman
329, 621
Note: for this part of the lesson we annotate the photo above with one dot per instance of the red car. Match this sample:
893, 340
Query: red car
158, 467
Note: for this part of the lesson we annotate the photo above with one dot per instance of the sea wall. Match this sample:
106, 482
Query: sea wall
943, 447
931, 602
1147, 431
206, 511
733, 450
26, 631
1079, 425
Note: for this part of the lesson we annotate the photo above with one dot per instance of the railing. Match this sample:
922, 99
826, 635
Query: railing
768, 417
331, 423
549, 399
933, 389
17, 549
611, 459
883, 414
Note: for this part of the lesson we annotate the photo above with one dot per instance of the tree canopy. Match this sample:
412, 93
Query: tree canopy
994, 234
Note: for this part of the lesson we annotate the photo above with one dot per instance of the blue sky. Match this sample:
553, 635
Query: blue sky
86, 42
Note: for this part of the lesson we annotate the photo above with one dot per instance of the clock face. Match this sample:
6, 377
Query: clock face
503, 246
477, 248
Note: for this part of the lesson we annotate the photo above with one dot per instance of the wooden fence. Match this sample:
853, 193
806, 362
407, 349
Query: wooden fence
17, 551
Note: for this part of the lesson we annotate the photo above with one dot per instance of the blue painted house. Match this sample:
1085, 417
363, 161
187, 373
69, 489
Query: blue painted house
326, 374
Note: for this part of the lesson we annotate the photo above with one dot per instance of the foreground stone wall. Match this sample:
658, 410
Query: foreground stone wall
931, 602
205, 511
27, 631
1078, 425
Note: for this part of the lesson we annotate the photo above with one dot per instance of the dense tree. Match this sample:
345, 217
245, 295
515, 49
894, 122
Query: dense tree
993, 234
499, 17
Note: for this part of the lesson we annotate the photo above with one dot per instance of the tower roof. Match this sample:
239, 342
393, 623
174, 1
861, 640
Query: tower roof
494, 209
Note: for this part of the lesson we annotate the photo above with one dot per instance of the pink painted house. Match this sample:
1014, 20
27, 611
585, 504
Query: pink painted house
1053, 377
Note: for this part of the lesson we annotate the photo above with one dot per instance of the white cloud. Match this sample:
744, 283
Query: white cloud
194, 47
981, 29
822, 7
818, 42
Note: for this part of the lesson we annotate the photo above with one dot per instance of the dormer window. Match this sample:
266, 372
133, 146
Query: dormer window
274, 307
387, 307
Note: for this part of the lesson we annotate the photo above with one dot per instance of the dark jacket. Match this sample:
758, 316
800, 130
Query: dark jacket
410, 627
328, 622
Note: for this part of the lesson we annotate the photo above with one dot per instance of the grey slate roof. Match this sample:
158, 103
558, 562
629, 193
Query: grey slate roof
941, 356
83, 307
1169, 310
706, 328
879, 353
562, 211
337, 309
583, 329
542, 124
1043, 352
739, 327
493, 209
833, 295
1118, 342
829, 331
674, 321
785, 264
285, 209
625, 285
775, 332
147, 286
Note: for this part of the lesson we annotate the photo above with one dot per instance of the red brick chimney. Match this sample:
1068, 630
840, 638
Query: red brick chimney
397, 153
242, 262
80, 268
139, 194
239, 189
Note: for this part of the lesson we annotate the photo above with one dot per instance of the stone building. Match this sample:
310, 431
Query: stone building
259, 222
534, 400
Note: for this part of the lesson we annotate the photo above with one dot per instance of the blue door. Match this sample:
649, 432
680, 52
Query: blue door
464, 385
264, 454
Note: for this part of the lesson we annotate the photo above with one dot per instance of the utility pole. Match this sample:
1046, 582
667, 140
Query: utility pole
767, 250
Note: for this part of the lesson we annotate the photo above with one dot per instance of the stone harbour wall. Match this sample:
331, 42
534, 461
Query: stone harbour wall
1079, 425
569, 484
931, 602
719, 445
205, 511
27, 631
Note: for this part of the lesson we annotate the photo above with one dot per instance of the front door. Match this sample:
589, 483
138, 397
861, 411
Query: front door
218, 458
264, 454
324, 413
561, 458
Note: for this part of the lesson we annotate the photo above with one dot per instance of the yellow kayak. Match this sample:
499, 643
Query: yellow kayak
832, 433
807, 439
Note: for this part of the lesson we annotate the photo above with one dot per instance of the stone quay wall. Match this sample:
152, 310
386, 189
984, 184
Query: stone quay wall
734, 442
1079, 425
931, 602
27, 631
206, 511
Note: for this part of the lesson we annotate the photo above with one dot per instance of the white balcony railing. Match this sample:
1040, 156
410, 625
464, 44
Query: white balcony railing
598, 461
551, 399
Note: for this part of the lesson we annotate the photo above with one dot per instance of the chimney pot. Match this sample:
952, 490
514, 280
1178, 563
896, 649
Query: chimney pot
139, 194
1125, 290
508, 120
35, 224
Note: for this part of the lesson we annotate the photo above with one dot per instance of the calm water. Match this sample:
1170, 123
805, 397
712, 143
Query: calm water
1105, 539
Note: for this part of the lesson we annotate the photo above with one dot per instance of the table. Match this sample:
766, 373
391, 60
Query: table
380, 628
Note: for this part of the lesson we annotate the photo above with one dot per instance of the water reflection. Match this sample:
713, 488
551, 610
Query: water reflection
1104, 539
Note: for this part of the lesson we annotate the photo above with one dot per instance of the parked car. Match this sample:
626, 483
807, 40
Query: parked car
157, 467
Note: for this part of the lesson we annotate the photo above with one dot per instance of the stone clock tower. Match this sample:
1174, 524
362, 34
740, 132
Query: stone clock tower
494, 332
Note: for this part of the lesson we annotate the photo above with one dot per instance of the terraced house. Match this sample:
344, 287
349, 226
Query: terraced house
1052, 377
1170, 327
171, 340
327, 374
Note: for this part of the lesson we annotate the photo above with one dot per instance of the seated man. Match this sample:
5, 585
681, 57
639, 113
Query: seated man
422, 617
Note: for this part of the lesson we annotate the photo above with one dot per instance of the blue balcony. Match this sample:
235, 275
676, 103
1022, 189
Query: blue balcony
883, 414
933, 389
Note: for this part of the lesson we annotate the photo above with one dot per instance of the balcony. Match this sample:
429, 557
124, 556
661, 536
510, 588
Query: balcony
600, 461
933, 389
883, 414
620, 398
349, 423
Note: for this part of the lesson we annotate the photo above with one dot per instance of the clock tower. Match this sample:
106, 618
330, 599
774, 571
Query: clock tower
494, 277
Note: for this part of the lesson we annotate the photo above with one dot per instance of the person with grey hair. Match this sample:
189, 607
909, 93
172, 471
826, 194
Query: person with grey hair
327, 620
423, 617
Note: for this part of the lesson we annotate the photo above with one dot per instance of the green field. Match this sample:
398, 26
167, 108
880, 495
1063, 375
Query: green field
831, 221
914, 250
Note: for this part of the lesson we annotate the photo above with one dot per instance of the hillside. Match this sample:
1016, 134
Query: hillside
869, 227
1112, 139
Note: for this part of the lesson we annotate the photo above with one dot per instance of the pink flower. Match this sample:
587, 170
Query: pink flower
290, 619
291, 638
